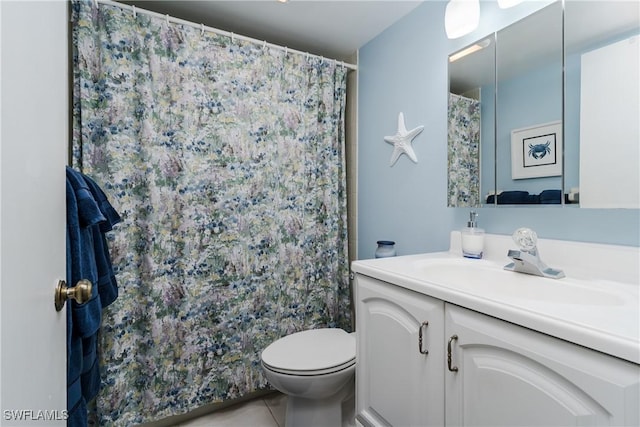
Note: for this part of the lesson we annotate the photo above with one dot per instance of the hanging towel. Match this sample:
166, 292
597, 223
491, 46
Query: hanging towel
76, 406
89, 216
107, 285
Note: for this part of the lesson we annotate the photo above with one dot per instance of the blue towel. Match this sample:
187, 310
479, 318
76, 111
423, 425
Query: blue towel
86, 317
89, 216
515, 197
107, 285
75, 403
551, 197
112, 217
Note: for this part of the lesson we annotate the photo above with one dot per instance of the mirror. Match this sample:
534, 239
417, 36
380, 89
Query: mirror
602, 99
529, 143
520, 72
470, 131
516, 76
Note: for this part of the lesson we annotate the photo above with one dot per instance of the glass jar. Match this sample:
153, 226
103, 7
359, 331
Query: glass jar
386, 248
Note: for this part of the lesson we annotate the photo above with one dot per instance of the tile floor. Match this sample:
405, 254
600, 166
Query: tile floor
265, 411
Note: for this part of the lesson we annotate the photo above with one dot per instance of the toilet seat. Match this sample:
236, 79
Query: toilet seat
310, 373
311, 352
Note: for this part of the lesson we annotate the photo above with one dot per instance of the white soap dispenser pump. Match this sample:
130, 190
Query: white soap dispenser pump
472, 238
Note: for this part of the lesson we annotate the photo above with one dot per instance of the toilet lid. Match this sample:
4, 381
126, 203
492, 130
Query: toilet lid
311, 350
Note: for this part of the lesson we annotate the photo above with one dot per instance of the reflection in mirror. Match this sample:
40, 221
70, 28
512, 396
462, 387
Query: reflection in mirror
529, 103
599, 127
471, 87
602, 94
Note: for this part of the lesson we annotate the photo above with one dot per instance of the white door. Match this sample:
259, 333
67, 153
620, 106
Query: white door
508, 375
33, 153
399, 376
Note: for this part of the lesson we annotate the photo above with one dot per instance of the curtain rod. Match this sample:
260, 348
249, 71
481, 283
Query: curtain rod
231, 35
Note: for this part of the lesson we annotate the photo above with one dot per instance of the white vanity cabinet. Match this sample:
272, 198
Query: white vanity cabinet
399, 378
479, 370
507, 375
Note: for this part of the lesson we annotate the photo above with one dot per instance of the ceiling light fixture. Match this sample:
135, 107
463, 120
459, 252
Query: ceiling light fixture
469, 50
461, 17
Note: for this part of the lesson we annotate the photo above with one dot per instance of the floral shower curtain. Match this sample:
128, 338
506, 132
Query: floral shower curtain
226, 161
463, 181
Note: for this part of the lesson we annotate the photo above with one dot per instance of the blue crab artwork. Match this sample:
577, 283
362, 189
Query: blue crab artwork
538, 151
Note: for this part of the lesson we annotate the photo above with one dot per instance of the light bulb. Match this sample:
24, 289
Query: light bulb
461, 17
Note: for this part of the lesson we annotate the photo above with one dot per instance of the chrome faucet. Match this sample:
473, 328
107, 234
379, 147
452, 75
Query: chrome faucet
527, 260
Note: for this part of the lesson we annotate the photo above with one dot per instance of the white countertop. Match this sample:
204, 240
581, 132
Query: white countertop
597, 305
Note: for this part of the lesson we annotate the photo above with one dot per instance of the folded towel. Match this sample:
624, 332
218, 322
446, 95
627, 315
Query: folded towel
515, 197
552, 197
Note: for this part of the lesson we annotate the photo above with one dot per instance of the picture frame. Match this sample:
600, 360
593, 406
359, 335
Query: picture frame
536, 151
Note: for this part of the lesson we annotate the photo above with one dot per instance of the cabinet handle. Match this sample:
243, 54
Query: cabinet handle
423, 325
451, 368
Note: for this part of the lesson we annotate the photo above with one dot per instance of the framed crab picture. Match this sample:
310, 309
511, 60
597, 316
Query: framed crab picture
536, 151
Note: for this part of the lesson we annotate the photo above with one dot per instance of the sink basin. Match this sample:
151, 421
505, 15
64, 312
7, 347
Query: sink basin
467, 275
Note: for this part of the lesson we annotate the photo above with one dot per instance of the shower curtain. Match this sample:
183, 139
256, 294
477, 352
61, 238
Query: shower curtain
226, 160
463, 181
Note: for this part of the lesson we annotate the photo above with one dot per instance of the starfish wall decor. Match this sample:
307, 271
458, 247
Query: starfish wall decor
401, 141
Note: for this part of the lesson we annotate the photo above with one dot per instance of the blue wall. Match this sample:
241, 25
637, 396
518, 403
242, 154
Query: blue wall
530, 99
404, 69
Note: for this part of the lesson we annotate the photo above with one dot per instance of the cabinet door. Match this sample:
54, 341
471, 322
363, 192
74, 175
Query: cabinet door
397, 382
512, 376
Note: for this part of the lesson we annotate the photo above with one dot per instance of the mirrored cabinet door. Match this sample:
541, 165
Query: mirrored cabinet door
471, 142
529, 140
602, 98
545, 111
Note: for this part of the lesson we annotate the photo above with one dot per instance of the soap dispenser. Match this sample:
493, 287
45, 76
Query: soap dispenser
472, 238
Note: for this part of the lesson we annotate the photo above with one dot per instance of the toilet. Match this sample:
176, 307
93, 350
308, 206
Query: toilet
316, 370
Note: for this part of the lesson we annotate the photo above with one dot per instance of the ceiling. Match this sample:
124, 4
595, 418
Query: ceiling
330, 28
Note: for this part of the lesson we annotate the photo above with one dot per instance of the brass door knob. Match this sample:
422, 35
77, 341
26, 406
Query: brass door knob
81, 293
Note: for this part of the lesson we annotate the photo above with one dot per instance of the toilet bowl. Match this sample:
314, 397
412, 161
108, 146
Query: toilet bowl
316, 370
